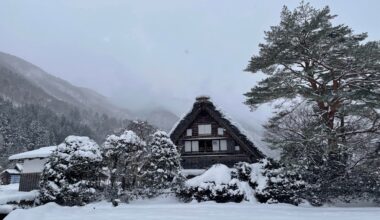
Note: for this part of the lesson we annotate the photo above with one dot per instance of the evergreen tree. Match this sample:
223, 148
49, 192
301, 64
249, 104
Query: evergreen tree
71, 175
142, 129
309, 60
124, 158
162, 170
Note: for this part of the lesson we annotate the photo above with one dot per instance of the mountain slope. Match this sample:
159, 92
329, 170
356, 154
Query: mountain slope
60, 89
24, 83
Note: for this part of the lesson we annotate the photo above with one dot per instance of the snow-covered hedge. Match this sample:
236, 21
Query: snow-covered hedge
265, 182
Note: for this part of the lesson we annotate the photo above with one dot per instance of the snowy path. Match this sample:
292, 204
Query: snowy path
199, 211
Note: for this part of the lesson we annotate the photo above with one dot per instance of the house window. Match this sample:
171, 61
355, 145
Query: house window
191, 146
189, 132
195, 146
223, 145
187, 146
219, 145
221, 131
215, 145
205, 146
15, 179
204, 129
237, 148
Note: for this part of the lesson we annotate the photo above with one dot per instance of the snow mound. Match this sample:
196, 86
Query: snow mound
192, 172
218, 173
5, 209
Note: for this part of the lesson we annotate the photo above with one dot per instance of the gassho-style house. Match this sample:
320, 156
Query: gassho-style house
204, 136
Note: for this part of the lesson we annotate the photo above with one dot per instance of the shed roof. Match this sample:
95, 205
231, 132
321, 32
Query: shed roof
11, 171
42, 152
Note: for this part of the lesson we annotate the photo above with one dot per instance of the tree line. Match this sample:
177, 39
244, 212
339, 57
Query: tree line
123, 168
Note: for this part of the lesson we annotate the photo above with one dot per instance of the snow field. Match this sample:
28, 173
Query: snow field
169, 209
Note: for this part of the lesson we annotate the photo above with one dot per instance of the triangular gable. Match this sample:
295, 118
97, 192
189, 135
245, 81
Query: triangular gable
204, 104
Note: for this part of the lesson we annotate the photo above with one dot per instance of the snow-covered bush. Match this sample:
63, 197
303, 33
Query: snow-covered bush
215, 184
271, 182
124, 157
265, 181
162, 169
242, 171
211, 191
71, 175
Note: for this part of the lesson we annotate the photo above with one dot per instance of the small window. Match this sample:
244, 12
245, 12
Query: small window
187, 146
223, 145
221, 131
15, 179
215, 145
204, 129
237, 148
195, 146
189, 132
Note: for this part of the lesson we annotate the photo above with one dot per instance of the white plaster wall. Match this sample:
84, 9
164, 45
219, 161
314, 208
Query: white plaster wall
34, 165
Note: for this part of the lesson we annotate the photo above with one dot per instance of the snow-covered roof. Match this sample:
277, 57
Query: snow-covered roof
42, 152
11, 171
19, 166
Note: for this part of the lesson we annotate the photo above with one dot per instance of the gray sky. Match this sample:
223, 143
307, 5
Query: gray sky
161, 53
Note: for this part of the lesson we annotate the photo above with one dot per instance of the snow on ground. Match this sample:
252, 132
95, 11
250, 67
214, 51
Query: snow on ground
170, 209
10, 194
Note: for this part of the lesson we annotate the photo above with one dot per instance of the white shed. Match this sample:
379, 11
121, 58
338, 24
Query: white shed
33, 164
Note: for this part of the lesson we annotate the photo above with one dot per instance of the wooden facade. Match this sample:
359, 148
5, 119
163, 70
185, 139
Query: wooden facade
5, 178
206, 137
29, 181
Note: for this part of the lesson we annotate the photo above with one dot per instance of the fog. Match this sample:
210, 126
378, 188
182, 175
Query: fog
149, 54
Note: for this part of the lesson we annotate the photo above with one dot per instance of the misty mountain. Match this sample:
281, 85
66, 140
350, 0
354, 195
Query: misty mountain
24, 83
159, 117
57, 88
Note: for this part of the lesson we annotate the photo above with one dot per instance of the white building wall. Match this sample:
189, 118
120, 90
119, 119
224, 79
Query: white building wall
34, 165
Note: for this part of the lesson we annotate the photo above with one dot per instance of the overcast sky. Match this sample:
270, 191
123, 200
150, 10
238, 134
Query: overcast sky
161, 53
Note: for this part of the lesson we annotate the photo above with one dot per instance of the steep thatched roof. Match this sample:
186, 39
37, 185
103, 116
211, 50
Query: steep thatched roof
203, 103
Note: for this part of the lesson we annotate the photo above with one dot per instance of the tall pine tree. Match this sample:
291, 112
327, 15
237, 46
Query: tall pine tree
308, 59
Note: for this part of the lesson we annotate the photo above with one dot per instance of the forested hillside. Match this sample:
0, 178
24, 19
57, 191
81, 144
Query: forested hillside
38, 109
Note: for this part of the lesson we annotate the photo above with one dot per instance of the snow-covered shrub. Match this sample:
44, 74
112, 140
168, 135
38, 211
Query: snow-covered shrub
162, 169
211, 191
215, 184
242, 171
265, 181
124, 157
71, 175
275, 184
